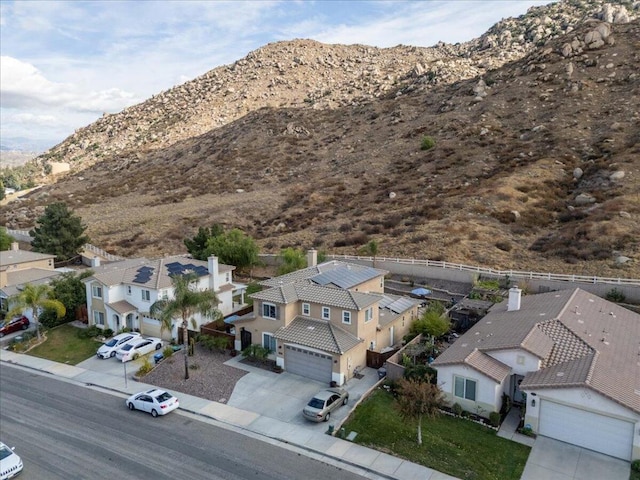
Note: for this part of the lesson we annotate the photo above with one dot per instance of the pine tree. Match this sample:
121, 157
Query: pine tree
60, 233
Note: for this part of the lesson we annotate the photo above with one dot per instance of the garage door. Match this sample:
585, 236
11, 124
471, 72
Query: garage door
607, 435
308, 363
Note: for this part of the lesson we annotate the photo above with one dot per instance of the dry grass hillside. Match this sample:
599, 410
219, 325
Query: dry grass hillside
536, 163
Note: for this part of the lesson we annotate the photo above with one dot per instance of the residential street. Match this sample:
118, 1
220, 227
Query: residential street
64, 431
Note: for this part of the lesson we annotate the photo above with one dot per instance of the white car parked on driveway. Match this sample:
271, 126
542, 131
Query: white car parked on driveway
137, 348
112, 345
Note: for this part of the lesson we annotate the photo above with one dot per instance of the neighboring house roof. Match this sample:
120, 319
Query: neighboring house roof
336, 273
319, 334
154, 274
393, 306
16, 257
581, 339
305, 291
122, 307
17, 279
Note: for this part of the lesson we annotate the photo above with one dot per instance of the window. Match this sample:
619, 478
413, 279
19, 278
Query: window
128, 289
382, 282
368, 314
98, 318
269, 310
228, 278
306, 309
464, 388
326, 313
96, 291
346, 317
269, 342
146, 295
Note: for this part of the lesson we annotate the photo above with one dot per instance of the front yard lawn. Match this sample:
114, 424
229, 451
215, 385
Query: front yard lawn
65, 346
450, 445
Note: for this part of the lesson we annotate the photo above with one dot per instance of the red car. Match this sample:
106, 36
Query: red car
18, 323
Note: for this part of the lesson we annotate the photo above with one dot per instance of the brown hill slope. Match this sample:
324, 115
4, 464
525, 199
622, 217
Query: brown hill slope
535, 167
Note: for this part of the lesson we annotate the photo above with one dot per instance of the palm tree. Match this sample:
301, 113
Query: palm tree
36, 298
187, 301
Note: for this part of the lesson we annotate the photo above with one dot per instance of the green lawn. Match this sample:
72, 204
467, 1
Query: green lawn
65, 346
450, 445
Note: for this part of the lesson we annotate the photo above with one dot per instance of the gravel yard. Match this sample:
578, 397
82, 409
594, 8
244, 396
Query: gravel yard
208, 376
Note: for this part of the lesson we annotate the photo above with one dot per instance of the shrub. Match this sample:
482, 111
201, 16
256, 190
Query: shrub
145, 368
635, 466
256, 353
615, 295
421, 372
427, 143
167, 351
494, 419
89, 332
457, 409
108, 333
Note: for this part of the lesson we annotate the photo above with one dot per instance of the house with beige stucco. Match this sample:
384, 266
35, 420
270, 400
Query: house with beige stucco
320, 321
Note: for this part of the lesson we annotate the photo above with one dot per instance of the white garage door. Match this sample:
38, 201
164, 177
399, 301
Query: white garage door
308, 363
607, 435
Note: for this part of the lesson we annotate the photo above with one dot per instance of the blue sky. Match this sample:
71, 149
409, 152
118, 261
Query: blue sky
64, 64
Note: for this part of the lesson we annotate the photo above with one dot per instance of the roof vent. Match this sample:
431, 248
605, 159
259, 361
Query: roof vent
560, 374
311, 327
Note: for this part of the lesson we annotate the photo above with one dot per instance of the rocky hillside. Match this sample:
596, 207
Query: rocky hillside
536, 163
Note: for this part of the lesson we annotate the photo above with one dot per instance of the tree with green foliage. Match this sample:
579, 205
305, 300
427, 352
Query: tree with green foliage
2, 194
187, 301
371, 249
197, 246
234, 248
36, 298
60, 233
433, 322
418, 399
291, 260
5, 239
70, 290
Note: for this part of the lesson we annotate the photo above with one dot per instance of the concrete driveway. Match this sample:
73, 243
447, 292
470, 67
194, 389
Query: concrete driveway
283, 396
554, 460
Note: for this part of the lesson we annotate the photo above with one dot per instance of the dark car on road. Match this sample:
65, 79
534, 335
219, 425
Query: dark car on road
14, 325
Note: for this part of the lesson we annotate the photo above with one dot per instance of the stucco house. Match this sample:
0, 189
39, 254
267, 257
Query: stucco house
20, 267
569, 357
320, 321
120, 294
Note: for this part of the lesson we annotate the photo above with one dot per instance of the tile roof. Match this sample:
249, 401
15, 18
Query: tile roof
16, 279
16, 257
591, 342
488, 365
318, 334
122, 307
306, 291
334, 272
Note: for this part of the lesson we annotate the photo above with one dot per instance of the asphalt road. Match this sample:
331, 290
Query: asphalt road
65, 431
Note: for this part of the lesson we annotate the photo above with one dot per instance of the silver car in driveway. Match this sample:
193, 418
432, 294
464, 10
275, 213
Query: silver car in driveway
323, 403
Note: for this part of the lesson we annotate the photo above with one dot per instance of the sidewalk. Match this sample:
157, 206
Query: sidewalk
367, 462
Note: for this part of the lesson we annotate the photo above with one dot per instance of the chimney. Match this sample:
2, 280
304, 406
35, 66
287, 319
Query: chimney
312, 258
214, 273
95, 262
514, 299
15, 246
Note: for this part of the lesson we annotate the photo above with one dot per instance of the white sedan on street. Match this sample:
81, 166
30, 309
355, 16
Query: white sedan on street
155, 401
137, 348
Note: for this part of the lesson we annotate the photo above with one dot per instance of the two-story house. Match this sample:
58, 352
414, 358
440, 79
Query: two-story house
570, 358
320, 321
120, 294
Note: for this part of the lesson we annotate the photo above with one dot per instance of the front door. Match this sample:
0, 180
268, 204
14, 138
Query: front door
245, 338
516, 395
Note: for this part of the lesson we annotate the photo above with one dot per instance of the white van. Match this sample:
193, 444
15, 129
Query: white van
109, 348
